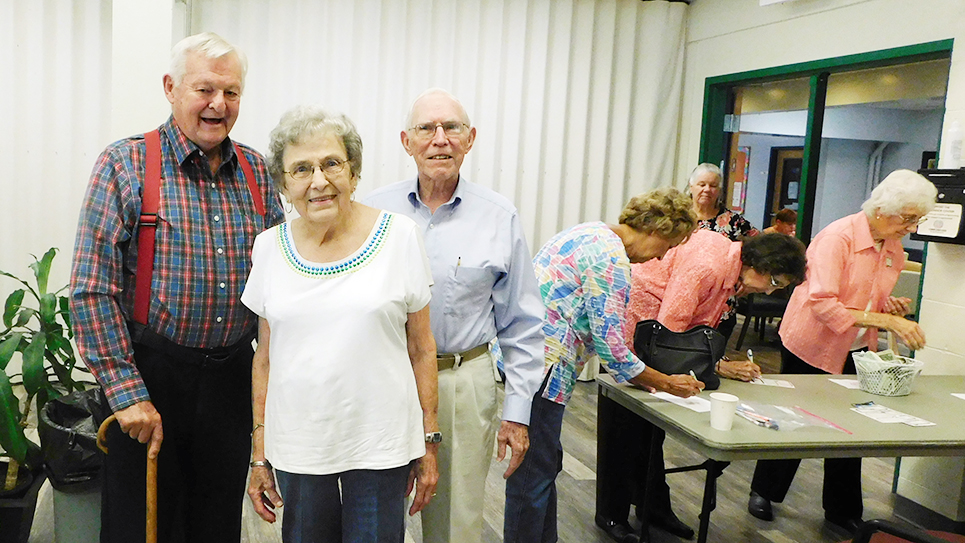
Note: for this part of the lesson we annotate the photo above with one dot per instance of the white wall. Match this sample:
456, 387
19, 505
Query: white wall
842, 177
725, 36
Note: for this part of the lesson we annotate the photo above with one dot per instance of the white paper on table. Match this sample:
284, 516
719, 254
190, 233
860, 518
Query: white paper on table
772, 382
846, 383
957, 395
694, 403
888, 415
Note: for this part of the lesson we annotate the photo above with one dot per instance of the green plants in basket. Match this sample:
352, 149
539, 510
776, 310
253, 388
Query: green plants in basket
36, 324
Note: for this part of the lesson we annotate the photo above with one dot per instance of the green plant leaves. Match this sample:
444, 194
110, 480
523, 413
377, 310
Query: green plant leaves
12, 438
34, 376
47, 355
8, 347
41, 270
12, 306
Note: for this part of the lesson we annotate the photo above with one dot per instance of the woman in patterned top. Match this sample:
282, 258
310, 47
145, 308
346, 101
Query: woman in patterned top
708, 205
688, 287
584, 279
344, 376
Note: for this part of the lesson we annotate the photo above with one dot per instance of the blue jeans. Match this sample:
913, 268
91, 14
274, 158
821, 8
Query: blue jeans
369, 509
531, 489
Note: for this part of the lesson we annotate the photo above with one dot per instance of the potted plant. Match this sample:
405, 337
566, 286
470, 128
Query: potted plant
36, 324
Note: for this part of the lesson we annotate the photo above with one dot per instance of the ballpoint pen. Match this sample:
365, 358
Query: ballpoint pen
750, 356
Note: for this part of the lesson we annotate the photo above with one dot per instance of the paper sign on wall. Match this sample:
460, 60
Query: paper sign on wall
943, 221
737, 201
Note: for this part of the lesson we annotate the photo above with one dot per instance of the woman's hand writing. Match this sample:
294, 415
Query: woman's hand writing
684, 386
741, 370
652, 380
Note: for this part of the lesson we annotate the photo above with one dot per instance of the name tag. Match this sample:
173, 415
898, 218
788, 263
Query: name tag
888, 261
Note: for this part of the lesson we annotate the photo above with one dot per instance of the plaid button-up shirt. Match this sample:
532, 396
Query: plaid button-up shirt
207, 224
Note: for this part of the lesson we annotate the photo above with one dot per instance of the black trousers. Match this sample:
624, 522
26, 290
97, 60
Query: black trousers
842, 476
628, 439
205, 411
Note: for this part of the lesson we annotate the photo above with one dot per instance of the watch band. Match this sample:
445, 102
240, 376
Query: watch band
433, 437
260, 464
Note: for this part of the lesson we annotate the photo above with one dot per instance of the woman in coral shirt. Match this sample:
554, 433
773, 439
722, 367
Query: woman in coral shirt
853, 265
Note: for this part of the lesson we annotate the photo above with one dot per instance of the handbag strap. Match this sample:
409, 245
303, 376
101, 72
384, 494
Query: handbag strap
653, 340
709, 336
147, 223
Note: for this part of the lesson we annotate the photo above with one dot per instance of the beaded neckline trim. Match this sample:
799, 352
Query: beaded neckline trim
372, 246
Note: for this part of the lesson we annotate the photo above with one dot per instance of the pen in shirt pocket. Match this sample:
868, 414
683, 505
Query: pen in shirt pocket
458, 263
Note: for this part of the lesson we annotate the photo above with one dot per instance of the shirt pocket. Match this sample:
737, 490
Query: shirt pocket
469, 291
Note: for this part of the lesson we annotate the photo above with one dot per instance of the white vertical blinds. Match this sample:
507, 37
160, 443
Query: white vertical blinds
576, 102
54, 119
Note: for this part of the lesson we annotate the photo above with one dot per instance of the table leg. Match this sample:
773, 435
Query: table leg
605, 473
714, 470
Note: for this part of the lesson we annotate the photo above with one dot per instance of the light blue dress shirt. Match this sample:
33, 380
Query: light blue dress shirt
484, 285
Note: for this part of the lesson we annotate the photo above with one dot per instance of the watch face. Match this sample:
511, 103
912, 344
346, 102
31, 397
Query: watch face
434, 437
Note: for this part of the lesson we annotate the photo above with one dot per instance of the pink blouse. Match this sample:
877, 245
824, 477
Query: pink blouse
688, 286
845, 271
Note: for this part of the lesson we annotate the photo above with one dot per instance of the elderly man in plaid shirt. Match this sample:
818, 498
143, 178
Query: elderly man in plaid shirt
185, 375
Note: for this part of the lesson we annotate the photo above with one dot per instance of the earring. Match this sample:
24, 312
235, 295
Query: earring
289, 207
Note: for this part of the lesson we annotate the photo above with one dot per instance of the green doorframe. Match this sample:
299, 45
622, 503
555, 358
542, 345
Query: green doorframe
812, 154
718, 103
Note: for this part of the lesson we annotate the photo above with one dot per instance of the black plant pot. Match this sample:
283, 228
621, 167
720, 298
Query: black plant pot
17, 506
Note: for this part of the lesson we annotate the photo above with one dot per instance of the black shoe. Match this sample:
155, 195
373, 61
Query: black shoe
760, 507
848, 524
668, 522
621, 532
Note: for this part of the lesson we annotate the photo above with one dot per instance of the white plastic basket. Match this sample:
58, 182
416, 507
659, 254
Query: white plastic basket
886, 377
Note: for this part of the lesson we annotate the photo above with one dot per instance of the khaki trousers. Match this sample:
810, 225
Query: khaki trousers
467, 419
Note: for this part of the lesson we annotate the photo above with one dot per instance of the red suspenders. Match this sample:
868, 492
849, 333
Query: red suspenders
147, 226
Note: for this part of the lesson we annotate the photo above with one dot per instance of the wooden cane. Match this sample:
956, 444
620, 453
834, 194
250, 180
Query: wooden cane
151, 483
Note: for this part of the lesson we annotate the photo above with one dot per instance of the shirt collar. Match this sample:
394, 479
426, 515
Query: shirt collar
184, 148
416, 200
862, 233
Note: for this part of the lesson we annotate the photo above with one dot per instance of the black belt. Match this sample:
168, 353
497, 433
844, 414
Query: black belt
454, 360
196, 356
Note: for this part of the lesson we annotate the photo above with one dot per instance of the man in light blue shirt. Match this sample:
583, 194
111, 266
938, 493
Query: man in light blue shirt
484, 288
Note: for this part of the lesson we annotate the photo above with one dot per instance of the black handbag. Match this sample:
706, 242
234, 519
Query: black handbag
697, 350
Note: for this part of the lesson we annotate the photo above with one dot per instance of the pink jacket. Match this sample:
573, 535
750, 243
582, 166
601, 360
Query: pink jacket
844, 272
688, 286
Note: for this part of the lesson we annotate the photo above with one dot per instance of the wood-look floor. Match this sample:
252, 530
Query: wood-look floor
800, 519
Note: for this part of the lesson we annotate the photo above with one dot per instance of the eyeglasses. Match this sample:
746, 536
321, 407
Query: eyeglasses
304, 171
909, 220
776, 283
451, 128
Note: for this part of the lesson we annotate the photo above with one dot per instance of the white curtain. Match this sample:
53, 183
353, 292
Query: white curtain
576, 102
54, 117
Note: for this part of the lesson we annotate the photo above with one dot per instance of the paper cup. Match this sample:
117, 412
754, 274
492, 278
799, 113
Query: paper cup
722, 408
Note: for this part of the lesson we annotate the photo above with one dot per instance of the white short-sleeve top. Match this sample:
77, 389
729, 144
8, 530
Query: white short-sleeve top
341, 390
